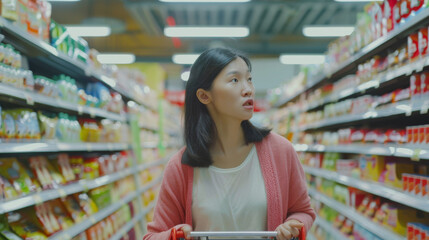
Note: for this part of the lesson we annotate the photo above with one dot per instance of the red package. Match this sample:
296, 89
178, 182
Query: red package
425, 187
46, 217
358, 135
410, 184
415, 86
426, 134
405, 178
416, 5
413, 47
372, 136
417, 185
395, 136
389, 20
409, 134
410, 231
416, 134
65, 168
424, 83
397, 13
405, 9
423, 41
401, 94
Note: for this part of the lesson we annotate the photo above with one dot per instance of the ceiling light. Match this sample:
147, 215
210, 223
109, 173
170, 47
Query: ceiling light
302, 59
116, 58
89, 31
205, 1
185, 76
206, 31
185, 58
327, 31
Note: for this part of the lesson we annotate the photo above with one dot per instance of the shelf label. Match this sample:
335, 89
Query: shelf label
92, 219
79, 110
409, 110
62, 193
92, 112
29, 99
425, 107
89, 147
416, 155
420, 65
37, 199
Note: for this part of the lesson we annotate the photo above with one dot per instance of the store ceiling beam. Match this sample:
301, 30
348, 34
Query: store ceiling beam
241, 16
269, 20
281, 20
327, 15
256, 15
300, 14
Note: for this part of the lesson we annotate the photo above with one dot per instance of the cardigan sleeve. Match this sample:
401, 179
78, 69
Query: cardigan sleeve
299, 201
170, 206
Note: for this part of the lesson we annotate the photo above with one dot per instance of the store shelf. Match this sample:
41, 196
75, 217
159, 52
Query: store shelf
371, 49
145, 127
149, 145
373, 188
127, 227
40, 147
82, 185
100, 215
380, 79
32, 46
32, 98
152, 164
350, 213
149, 208
333, 232
415, 152
406, 107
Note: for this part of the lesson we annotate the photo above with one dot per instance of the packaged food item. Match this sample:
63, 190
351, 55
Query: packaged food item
424, 79
101, 196
415, 87
8, 126
388, 20
7, 191
39, 167
26, 225
48, 125
76, 163
423, 41
413, 46
91, 168
8, 9
405, 10
73, 208
46, 217
61, 214
11, 169
86, 203
64, 166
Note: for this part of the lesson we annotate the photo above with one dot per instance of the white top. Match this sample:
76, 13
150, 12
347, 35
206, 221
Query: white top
232, 199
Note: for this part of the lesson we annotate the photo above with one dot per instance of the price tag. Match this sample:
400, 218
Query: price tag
79, 110
420, 65
62, 193
92, 219
84, 186
409, 110
408, 70
37, 199
416, 155
425, 107
92, 112
89, 147
29, 99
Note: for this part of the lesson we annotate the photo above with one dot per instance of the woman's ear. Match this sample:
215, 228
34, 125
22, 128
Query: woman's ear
203, 96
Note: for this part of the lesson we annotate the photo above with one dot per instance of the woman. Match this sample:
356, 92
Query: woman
231, 176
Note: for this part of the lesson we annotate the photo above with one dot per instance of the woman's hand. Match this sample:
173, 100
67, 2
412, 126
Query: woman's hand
289, 229
187, 229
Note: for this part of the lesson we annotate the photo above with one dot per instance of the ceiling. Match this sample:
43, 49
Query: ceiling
275, 25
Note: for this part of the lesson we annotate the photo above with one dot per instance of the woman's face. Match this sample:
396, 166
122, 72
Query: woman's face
232, 92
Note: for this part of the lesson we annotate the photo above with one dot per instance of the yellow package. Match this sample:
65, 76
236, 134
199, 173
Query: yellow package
12, 170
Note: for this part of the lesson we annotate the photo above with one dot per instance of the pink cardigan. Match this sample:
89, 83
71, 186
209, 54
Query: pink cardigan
287, 196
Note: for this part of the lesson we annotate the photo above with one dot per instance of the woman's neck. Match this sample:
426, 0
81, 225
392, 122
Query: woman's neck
229, 138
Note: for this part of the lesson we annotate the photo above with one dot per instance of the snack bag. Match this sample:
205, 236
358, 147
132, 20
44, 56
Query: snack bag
11, 169
86, 203
73, 208
64, 167
46, 217
38, 166
8, 125
26, 226
57, 178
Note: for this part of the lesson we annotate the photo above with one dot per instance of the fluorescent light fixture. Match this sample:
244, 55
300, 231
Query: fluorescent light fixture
302, 59
89, 31
116, 58
327, 31
185, 58
206, 31
206, 1
185, 75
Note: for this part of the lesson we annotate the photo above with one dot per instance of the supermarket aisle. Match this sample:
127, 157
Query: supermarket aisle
359, 124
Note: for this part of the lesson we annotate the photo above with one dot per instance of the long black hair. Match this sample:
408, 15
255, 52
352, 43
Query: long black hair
200, 130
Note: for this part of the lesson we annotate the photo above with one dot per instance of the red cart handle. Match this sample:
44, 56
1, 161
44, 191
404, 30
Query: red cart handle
178, 234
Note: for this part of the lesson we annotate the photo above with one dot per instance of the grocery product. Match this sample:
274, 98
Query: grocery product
12, 170
73, 208
47, 219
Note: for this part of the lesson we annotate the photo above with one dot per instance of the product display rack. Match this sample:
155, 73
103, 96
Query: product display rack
369, 50
412, 151
32, 98
44, 57
350, 213
373, 188
398, 114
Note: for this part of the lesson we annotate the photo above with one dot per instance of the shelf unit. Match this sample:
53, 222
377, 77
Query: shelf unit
373, 188
369, 50
32, 98
43, 57
350, 213
412, 151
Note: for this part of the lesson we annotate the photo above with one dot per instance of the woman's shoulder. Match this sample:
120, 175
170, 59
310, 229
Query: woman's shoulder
275, 139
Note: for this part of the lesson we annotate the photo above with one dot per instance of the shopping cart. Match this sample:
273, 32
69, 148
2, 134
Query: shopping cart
178, 234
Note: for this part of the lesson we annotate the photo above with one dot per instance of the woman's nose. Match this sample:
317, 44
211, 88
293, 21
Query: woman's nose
247, 89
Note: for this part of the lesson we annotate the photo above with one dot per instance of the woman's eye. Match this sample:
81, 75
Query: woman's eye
234, 80
250, 79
